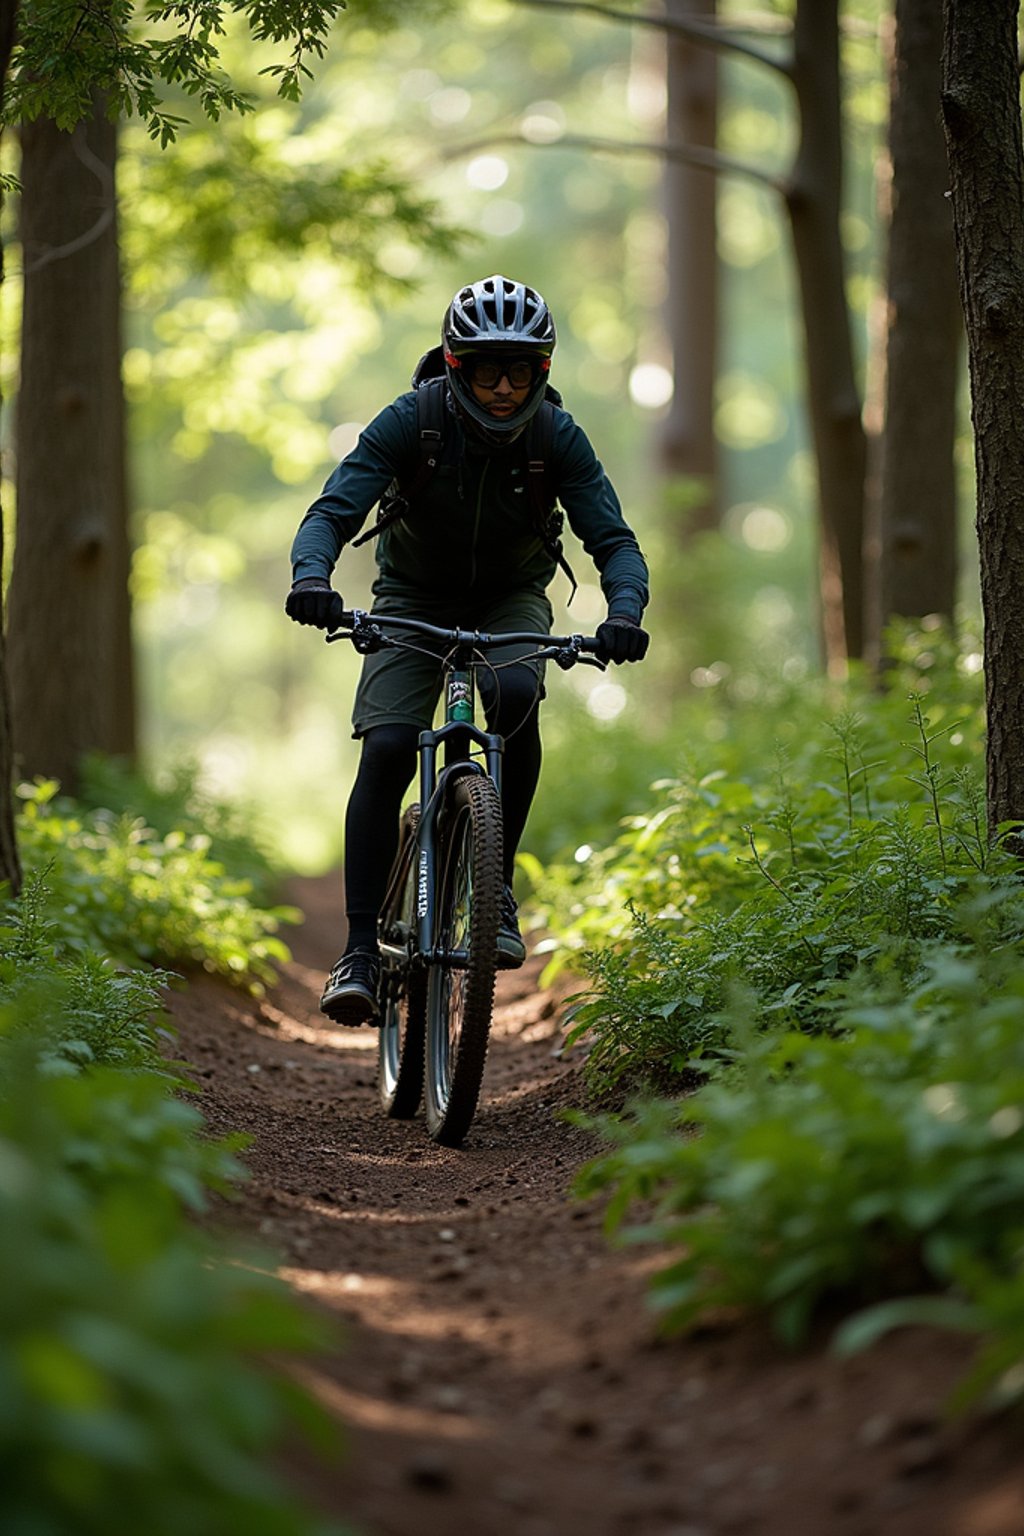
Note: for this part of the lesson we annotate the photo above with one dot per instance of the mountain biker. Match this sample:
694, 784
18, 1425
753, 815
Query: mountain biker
466, 555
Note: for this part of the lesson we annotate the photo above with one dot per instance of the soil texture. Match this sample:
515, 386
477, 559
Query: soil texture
499, 1370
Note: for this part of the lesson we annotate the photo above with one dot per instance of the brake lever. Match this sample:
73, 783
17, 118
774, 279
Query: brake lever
569, 655
361, 630
367, 639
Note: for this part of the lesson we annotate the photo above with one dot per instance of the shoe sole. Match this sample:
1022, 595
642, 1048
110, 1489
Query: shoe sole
508, 962
351, 1010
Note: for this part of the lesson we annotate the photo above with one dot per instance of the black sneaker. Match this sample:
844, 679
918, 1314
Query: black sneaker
350, 996
511, 949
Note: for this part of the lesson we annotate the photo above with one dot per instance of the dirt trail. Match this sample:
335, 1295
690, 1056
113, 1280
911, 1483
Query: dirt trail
500, 1372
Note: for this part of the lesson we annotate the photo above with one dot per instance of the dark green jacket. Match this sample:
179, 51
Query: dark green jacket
470, 532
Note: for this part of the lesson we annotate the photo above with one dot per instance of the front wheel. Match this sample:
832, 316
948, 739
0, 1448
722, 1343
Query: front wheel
403, 985
460, 989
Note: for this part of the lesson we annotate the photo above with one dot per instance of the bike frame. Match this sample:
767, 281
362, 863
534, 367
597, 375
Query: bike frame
458, 735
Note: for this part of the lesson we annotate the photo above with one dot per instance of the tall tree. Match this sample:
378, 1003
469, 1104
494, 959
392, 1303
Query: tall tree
812, 191
982, 117
814, 202
916, 509
688, 443
70, 656
70, 652
73, 680
10, 867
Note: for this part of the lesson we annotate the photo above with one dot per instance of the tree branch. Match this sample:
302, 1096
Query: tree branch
693, 31
686, 154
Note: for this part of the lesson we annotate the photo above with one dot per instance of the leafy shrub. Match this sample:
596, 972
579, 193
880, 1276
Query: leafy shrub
848, 854
127, 1398
117, 884
884, 1158
838, 953
131, 1393
106, 1015
176, 802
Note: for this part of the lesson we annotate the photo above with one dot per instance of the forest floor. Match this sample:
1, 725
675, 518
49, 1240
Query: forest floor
498, 1369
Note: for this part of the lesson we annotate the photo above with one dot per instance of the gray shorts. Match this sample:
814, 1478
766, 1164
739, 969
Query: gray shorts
402, 687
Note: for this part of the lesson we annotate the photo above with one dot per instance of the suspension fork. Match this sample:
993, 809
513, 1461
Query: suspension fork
434, 795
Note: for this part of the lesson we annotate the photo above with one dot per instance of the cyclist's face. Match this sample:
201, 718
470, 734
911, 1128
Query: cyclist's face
500, 387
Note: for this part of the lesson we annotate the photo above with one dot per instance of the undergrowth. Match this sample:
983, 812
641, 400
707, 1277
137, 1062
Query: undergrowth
135, 1389
177, 802
849, 846
111, 880
131, 1398
817, 963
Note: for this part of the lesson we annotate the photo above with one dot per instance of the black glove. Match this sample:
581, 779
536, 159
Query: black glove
622, 640
313, 601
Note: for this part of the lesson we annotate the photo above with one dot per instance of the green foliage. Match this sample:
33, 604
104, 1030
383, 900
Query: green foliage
106, 1015
121, 888
832, 955
67, 1009
136, 57
128, 1396
227, 203
888, 1157
130, 1399
852, 1169
173, 873
176, 801
844, 854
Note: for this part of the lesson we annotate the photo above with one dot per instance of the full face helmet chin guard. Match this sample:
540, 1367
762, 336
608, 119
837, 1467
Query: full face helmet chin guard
497, 318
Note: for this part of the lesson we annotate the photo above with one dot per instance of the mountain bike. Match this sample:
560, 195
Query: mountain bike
438, 927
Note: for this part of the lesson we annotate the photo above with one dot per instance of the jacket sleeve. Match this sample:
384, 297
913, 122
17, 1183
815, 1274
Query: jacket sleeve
595, 517
384, 449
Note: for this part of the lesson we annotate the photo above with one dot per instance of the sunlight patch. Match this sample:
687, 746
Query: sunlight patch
488, 172
650, 385
607, 701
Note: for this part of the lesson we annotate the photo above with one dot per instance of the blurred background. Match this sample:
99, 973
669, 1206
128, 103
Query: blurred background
284, 270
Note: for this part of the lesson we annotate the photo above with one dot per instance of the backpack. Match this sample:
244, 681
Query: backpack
430, 383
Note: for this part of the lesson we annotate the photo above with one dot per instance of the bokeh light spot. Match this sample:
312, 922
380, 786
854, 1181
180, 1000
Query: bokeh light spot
650, 385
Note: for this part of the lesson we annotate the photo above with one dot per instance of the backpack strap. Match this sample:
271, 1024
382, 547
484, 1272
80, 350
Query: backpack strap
545, 513
400, 494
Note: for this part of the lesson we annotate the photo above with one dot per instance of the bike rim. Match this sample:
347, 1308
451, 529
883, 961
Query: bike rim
452, 981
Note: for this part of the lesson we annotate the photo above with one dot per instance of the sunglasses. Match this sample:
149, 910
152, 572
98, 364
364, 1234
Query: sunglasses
520, 373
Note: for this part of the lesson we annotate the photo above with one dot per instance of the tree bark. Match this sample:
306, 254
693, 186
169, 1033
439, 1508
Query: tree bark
916, 514
981, 113
10, 865
814, 205
70, 652
688, 446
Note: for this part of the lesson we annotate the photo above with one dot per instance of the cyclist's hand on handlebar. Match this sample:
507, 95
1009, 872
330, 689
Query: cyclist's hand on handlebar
622, 640
313, 601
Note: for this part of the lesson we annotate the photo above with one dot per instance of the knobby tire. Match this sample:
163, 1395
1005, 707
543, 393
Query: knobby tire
460, 996
403, 986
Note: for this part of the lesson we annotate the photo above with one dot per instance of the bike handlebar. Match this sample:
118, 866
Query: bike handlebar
369, 628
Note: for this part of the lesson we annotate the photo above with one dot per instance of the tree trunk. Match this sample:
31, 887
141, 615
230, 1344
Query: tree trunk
70, 652
916, 515
981, 112
688, 446
814, 205
10, 865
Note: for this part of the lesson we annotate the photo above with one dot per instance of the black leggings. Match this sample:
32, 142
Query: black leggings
387, 766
